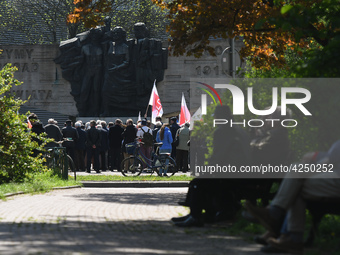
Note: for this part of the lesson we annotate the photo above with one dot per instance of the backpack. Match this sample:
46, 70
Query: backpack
147, 138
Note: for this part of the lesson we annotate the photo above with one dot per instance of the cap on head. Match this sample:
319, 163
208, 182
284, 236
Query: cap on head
144, 122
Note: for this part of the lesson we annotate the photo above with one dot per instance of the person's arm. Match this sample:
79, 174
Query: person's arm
59, 135
76, 135
170, 137
157, 137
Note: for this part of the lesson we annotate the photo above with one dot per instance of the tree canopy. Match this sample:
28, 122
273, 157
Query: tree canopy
268, 27
36, 21
124, 13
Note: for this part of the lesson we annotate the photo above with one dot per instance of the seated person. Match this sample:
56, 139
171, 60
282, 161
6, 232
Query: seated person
230, 146
220, 197
290, 200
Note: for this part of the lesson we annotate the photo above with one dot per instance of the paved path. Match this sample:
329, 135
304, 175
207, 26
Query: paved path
108, 221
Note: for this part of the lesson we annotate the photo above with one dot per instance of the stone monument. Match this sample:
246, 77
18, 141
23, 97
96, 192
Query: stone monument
110, 75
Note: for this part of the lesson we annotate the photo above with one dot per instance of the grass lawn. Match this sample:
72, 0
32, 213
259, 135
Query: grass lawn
41, 182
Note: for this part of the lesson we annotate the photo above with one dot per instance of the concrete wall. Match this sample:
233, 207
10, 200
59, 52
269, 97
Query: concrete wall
42, 79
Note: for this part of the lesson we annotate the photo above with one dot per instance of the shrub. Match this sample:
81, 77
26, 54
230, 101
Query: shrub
16, 144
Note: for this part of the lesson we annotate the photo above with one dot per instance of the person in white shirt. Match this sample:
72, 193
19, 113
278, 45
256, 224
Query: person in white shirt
145, 150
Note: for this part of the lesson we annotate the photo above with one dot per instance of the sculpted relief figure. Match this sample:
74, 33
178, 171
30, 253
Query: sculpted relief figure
90, 91
117, 77
109, 75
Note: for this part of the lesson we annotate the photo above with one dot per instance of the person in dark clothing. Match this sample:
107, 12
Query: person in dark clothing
129, 135
80, 147
231, 145
110, 124
71, 136
173, 128
93, 139
53, 131
115, 141
104, 146
270, 146
37, 128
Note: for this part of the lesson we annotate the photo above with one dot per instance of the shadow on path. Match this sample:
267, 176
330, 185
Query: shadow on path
129, 237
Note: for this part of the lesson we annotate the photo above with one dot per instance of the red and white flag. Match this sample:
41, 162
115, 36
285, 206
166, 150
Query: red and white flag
185, 114
157, 109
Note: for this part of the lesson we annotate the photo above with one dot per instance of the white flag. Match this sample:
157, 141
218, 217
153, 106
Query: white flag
195, 117
139, 117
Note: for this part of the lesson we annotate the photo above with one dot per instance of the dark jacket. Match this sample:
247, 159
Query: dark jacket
53, 131
231, 145
154, 132
38, 129
93, 137
104, 143
129, 135
71, 134
81, 142
115, 136
173, 128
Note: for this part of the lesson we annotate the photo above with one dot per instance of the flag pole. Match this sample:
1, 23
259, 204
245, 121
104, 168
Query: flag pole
146, 112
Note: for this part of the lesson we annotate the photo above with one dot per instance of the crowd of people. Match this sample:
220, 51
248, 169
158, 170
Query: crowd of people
101, 146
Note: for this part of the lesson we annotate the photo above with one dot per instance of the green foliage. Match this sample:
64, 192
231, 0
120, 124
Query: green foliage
124, 13
36, 21
127, 13
319, 22
16, 144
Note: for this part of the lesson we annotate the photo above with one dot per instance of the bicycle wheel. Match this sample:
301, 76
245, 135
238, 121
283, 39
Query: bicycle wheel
71, 165
172, 168
131, 166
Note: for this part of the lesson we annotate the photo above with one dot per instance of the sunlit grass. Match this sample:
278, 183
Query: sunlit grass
41, 182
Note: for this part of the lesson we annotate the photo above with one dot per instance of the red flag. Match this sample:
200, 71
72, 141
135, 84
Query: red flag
157, 109
185, 114
29, 124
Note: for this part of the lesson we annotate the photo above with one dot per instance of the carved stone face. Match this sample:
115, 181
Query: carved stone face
107, 21
96, 35
118, 34
140, 32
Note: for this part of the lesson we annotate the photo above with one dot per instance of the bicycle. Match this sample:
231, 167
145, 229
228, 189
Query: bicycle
133, 165
55, 159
